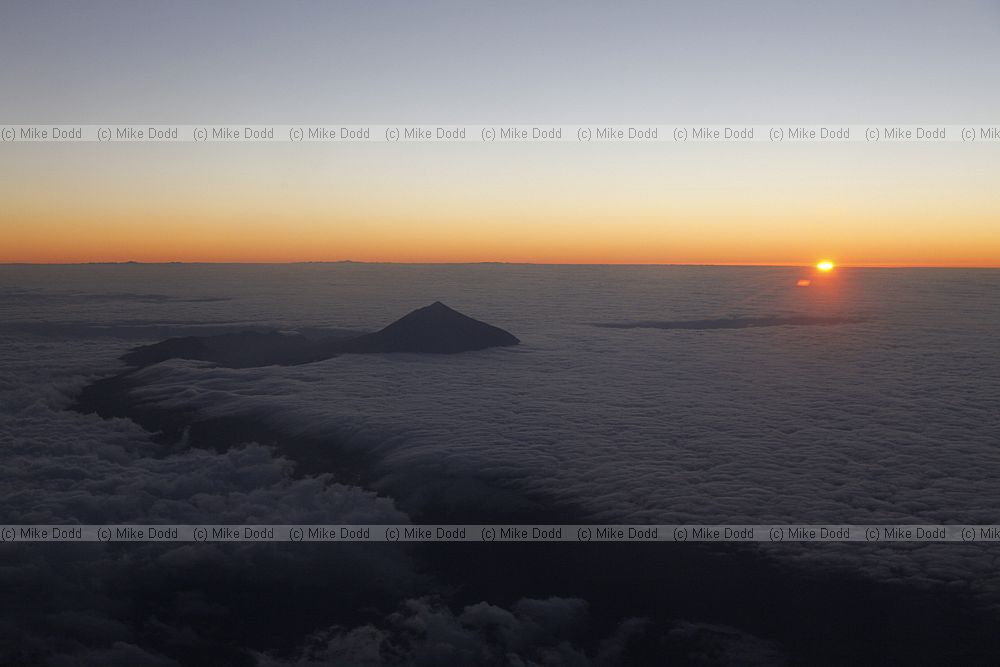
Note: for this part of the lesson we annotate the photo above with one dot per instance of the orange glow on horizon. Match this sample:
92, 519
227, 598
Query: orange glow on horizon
172, 236
38, 231
707, 206
165, 243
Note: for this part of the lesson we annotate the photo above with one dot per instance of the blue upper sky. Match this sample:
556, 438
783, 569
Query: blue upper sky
361, 62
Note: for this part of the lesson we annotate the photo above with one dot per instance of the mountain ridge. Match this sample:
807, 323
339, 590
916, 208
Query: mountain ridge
432, 329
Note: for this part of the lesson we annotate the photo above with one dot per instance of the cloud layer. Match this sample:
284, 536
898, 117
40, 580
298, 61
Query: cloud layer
890, 419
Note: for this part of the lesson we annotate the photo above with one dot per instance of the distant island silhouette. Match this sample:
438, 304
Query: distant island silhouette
433, 329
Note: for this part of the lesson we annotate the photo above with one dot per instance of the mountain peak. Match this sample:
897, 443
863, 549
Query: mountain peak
436, 329
433, 329
437, 307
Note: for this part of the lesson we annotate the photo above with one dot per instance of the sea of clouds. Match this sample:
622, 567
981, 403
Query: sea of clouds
78, 603
888, 416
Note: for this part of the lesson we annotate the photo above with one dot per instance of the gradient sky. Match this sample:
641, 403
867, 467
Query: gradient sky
469, 62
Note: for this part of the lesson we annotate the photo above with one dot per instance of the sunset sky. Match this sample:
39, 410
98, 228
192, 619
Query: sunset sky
838, 63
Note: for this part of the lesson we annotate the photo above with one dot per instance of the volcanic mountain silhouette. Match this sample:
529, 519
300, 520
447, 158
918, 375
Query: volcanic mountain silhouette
433, 329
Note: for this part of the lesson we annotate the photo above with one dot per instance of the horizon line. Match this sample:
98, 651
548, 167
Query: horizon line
505, 263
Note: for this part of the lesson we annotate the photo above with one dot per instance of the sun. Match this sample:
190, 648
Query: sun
825, 265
